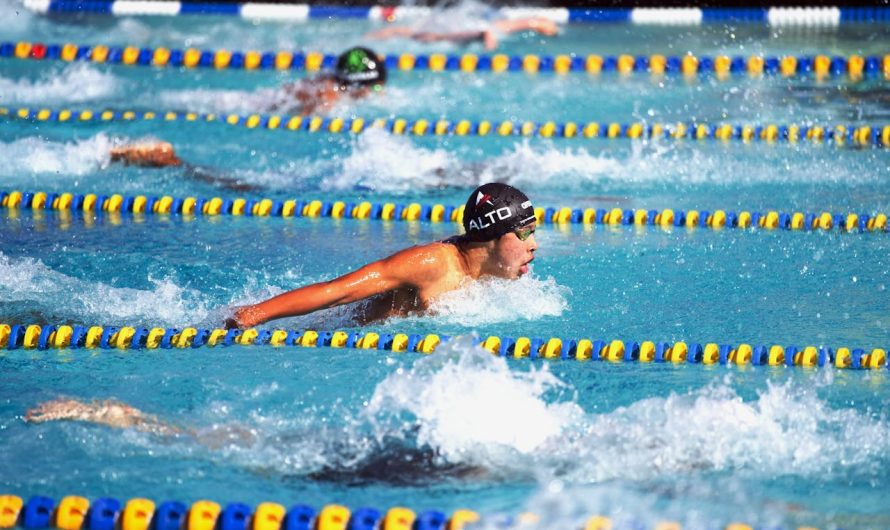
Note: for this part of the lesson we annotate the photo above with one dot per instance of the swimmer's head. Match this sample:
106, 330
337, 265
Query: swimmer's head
496, 209
360, 68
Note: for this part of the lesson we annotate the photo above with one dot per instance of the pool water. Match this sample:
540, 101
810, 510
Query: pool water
641, 443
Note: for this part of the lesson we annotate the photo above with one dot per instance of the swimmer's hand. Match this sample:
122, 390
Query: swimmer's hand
244, 317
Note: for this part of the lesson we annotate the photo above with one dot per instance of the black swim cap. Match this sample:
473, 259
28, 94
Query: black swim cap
494, 209
360, 67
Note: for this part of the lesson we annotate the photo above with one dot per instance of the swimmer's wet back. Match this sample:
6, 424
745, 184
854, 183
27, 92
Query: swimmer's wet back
699, 338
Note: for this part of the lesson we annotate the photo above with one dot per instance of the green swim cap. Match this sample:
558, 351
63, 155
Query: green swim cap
360, 67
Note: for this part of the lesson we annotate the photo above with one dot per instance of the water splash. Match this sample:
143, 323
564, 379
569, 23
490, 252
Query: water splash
495, 300
30, 281
221, 100
75, 83
471, 408
465, 409
380, 161
37, 156
463, 414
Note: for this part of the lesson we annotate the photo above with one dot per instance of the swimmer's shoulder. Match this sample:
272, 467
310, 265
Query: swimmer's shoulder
430, 261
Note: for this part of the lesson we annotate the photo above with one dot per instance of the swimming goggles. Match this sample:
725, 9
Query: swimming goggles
525, 232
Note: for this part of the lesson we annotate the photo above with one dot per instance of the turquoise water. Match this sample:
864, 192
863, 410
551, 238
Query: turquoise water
459, 429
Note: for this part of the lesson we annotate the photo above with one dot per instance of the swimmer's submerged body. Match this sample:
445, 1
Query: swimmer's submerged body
499, 242
159, 154
391, 463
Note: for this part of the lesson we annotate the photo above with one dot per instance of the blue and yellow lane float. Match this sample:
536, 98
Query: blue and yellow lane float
839, 135
853, 67
74, 512
78, 513
438, 213
51, 337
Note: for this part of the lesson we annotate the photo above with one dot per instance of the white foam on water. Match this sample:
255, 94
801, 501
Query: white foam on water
30, 281
389, 163
221, 100
472, 408
786, 430
75, 83
19, 20
38, 156
530, 165
380, 161
457, 402
468, 15
495, 300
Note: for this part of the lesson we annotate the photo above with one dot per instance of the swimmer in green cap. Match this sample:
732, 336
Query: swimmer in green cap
358, 73
499, 242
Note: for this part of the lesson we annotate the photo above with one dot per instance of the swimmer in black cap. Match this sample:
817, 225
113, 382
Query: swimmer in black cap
358, 73
499, 242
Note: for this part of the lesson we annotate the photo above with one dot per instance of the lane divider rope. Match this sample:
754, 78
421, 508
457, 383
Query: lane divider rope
839, 135
855, 67
74, 512
36, 337
438, 213
828, 16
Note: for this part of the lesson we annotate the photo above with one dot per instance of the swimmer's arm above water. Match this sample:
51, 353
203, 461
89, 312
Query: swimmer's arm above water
415, 267
151, 154
488, 36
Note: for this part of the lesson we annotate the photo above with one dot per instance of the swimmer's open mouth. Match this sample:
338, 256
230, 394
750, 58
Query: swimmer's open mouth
523, 269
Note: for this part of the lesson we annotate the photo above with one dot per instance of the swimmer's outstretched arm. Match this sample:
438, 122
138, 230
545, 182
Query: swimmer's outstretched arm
122, 416
391, 32
415, 267
431, 36
489, 37
541, 25
108, 412
151, 154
